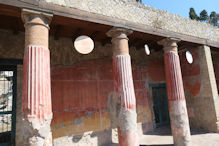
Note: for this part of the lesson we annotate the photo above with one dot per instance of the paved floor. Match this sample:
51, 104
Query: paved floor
162, 137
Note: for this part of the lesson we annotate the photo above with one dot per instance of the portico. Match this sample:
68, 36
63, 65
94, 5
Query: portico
70, 98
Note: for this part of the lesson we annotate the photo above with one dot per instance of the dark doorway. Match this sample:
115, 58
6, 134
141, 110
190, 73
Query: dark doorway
160, 104
8, 80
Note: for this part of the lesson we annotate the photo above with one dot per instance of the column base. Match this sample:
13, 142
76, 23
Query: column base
179, 123
36, 132
127, 127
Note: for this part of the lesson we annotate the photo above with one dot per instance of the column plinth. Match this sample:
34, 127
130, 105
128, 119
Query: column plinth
175, 91
36, 104
125, 105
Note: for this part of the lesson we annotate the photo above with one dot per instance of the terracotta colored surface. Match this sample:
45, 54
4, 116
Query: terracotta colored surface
191, 73
198, 91
156, 70
189, 70
176, 100
80, 96
123, 102
191, 112
36, 101
36, 83
123, 82
175, 89
176, 97
124, 89
194, 89
36, 27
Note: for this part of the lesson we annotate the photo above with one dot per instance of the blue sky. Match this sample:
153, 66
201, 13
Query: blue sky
182, 7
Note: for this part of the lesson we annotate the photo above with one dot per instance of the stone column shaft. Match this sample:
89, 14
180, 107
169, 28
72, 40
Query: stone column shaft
37, 108
124, 89
175, 91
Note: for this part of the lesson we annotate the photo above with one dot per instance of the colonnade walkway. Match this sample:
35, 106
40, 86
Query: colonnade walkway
163, 137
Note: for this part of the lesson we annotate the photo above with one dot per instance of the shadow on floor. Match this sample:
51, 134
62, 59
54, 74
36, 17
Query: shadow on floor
162, 131
166, 131
197, 132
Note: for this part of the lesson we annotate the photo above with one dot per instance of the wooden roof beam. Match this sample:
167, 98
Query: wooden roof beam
77, 33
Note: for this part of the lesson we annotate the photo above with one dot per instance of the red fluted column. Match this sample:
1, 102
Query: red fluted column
126, 119
37, 109
175, 91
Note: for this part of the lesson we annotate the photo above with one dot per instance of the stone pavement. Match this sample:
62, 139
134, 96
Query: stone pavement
163, 137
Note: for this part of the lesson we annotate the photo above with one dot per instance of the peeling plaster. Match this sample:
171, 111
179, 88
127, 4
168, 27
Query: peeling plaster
123, 118
36, 132
127, 120
79, 120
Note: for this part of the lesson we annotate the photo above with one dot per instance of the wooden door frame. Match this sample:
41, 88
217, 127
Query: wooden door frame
151, 85
11, 65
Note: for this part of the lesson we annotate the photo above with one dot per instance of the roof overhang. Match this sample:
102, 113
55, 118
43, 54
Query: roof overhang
77, 14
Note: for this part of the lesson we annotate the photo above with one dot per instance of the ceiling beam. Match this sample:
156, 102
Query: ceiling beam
133, 42
94, 34
77, 33
105, 20
15, 26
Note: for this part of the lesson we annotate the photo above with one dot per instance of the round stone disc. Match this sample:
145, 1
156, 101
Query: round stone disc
189, 57
84, 44
147, 50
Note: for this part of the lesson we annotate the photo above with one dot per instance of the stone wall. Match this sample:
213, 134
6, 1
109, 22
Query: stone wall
142, 14
11, 47
200, 90
84, 118
215, 57
19, 133
81, 85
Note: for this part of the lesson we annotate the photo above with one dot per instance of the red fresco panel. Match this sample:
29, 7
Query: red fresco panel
156, 70
87, 85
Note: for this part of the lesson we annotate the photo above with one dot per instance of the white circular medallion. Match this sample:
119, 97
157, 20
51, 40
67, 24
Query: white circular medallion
147, 50
84, 44
189, 57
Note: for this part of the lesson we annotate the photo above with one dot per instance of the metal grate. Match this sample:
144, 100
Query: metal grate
7, 109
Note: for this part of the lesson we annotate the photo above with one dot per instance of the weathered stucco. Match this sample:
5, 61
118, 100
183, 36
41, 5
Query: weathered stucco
76, 112
77, 118
201, 96
142, 14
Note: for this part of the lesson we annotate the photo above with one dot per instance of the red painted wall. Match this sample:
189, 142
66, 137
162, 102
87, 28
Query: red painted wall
80, 95
191, 81
80, 92
191, 73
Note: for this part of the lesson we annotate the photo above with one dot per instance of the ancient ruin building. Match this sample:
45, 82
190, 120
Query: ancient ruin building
52, 95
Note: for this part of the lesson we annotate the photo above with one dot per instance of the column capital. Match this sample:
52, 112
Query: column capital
36, 25
119, 40
119, 33
169, 44
36, 17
